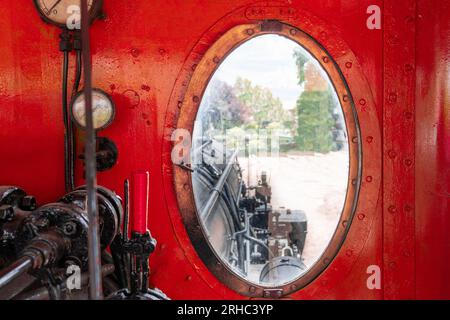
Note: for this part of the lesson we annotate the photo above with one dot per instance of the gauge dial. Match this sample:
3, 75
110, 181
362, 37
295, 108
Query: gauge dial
65, 13
103, 109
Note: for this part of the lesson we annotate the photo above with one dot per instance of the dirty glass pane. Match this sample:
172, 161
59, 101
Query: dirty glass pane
270, 160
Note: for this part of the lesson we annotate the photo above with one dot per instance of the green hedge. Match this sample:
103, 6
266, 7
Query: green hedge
315, 122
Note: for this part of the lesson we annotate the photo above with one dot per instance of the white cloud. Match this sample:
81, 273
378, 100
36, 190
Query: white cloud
267, 61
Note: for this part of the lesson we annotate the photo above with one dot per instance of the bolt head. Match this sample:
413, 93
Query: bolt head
70, 228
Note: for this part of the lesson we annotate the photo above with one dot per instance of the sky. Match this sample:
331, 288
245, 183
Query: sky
267, 61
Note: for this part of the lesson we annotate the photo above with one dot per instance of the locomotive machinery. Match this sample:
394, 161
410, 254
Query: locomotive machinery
43, 248
259, 242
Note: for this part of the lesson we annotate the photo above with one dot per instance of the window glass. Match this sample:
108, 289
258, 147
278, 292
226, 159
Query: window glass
270, 159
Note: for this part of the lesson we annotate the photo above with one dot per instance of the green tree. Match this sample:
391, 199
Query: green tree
315, 122
225, 108
300, 60
263, 107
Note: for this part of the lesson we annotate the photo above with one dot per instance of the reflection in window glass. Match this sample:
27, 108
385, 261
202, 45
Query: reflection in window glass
270, 160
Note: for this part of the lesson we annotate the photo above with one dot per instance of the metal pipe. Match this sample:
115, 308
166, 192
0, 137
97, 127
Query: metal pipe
95, 276
217, 190
259, 242
238, 198
200, 149
17, 286
42, 293
15, 270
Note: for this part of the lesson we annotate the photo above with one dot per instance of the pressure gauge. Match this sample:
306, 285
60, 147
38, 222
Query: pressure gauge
103, 109
66, 13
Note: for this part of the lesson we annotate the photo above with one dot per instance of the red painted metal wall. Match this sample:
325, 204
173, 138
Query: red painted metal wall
143, 54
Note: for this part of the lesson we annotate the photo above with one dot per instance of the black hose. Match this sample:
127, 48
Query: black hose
72, 138
77, 81
67, 124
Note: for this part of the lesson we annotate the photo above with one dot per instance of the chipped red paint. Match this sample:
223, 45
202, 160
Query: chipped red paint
143, 54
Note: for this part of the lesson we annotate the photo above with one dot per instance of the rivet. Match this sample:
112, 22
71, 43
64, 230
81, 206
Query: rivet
326, 261
392, 154
392, 97
348, 64
408, 162
354, 182
196, 99
344, 223
293, 287
180, 104
135, 52
250, 31
216, 59
355, 139
408, 67
345, 98
293, 32
362, 102
188, 278
325, 59
392, 209
132, 97
252, 289
369, 178
194, 67
369, 139
361, 216
186, 186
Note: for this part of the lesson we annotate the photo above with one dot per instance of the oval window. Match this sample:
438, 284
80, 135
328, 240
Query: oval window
271, 162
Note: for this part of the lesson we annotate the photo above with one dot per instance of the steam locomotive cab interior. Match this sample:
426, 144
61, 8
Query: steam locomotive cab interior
156, 150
